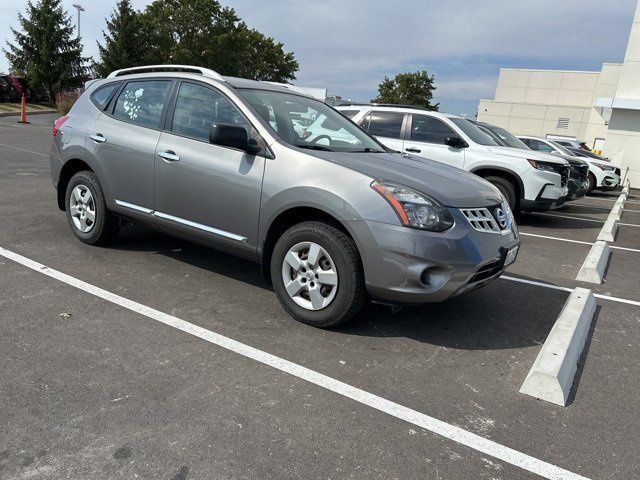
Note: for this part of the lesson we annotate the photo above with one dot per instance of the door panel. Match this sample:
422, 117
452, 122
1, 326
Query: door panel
426, 138
124, 153
208, 190
215, 187
123, 142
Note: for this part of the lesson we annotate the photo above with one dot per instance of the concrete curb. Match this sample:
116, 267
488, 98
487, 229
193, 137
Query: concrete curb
553, 371
595, 264
616, 211
609, 229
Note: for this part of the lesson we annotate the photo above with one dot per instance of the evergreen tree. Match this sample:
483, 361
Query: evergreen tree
45, 52
124, 41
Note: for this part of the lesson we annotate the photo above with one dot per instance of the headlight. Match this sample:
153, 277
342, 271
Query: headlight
414, 209
606, 168
546, 166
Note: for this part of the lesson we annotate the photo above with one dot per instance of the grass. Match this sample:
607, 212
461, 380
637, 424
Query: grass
31, 108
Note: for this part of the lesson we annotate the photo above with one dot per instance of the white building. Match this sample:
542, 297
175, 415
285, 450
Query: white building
601, 108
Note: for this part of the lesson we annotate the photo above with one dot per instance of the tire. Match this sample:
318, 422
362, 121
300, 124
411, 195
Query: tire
507, 189
344, 300
104, 226
592, 183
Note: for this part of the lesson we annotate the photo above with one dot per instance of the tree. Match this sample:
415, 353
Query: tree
203, 33
408, 89
124, 41
45, 52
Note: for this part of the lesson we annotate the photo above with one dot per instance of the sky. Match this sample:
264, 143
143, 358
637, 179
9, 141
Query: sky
349, 46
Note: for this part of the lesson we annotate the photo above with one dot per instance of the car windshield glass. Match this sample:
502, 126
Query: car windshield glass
564, 150
508, 138
308, 123
473, 132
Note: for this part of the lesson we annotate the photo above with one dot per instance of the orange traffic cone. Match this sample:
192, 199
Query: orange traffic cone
23, 110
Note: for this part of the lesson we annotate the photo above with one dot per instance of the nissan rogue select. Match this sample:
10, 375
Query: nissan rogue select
221, 161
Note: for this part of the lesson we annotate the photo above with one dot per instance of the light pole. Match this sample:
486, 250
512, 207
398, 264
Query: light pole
79, 8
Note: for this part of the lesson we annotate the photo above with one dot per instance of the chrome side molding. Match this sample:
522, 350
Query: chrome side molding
182, 221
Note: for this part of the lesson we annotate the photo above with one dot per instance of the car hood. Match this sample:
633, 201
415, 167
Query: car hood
449, 185
526, 154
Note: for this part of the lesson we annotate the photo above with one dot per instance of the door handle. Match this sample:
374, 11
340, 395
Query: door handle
97, 137
412, 150
169, 156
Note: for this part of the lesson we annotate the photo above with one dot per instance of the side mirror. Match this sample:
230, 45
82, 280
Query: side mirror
233, 136
557, 154
455, 142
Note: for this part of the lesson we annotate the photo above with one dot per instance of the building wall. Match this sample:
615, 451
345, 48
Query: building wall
530, 102
623, 137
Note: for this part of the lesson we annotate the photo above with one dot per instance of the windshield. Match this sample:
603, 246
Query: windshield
308, 123
508, 138
473, 132
563, 150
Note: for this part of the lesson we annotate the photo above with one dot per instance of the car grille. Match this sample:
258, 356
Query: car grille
487, 271
579, 171
564, 175
495, 219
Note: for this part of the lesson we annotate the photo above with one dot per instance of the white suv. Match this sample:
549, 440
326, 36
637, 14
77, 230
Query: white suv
529, 181
602, 174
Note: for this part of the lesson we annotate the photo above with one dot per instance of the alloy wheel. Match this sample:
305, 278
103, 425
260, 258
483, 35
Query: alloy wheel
310, 276
82, 208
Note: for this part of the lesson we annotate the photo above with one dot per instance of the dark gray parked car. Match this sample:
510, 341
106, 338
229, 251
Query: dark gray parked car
332, 220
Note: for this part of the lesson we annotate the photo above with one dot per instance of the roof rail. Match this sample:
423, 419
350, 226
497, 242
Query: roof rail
167, 68
356, 104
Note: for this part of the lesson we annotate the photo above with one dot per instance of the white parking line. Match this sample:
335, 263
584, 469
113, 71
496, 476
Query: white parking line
580, 218
601, 208
446, 430
566, 216
566, 289
23, 150
576, 241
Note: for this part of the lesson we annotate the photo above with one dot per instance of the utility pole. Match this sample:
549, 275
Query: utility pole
79, 8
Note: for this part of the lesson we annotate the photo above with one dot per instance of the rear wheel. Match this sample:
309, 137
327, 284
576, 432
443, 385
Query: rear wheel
87, 212
317, 274
507, 189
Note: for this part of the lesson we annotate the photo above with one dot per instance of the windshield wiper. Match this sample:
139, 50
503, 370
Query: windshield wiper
367, 150
314, 147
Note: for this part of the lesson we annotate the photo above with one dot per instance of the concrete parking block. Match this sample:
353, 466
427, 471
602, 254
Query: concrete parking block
609, 229
616, 211
553, 371
595, 264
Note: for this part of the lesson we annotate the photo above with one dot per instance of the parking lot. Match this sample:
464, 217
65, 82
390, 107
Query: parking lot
118, 384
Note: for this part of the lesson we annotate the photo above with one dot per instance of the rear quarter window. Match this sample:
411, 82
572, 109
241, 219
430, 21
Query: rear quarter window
102, 95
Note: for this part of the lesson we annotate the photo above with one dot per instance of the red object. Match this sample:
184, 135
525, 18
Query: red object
58, 124
395, 204
23, 110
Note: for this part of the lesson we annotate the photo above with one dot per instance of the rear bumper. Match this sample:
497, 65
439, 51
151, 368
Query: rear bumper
405, 265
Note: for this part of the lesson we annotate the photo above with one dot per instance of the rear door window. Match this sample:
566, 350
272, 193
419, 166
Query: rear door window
386, 124
142, 102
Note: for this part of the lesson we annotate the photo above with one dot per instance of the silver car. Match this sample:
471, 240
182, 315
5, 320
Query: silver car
331, 221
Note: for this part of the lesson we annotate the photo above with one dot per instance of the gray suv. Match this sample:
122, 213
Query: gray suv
224, 162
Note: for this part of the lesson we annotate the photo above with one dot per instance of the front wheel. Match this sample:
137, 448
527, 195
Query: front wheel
317, 274
507, 189
592, 183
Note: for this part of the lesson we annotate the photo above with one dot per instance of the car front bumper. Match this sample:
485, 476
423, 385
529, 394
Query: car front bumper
406, 265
